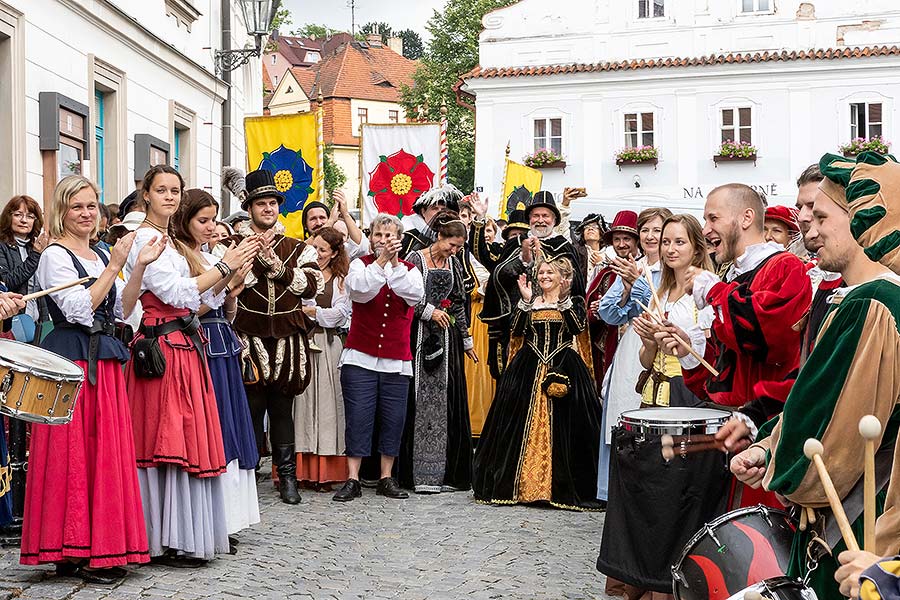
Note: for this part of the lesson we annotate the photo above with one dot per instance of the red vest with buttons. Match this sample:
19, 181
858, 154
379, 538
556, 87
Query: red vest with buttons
381, 326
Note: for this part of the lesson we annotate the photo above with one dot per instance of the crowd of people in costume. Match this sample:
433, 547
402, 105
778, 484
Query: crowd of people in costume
451, 352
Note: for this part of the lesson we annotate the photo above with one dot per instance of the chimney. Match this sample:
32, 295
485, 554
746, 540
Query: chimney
374, 39
396, 44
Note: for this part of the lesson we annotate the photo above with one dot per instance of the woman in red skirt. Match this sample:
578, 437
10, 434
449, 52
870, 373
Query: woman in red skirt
82, 502
177, 434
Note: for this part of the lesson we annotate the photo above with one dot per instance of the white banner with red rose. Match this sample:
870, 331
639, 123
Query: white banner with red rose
399, 163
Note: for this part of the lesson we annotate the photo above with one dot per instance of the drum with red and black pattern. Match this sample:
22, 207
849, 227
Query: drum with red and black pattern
737, 550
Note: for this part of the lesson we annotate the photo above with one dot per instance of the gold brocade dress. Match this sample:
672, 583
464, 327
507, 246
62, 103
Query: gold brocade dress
540, 440
480, 384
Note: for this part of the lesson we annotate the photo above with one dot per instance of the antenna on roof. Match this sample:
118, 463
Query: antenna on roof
352, 5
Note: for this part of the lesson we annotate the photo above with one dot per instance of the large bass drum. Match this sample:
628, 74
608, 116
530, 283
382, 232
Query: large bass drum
655, 504
738, 549
37, 385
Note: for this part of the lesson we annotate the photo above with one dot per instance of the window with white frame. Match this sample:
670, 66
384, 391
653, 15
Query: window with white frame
639, 129
865, 119
736, 125
394, 116
548, 134
651, 9
753, 6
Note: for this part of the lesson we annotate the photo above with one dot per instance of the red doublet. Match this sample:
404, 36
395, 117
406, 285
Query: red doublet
604, 337
381, 326
754, 327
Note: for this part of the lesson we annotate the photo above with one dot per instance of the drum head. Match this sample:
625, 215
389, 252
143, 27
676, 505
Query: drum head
25, 357
675, 414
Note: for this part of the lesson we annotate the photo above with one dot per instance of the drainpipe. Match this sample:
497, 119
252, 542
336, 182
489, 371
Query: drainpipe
226, 106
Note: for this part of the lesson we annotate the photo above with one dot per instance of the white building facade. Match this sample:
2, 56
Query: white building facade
590, 77
108, 88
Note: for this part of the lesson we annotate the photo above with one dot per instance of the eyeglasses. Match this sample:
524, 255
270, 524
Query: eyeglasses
27, 216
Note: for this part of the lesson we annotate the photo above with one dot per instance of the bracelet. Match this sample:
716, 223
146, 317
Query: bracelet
223, 269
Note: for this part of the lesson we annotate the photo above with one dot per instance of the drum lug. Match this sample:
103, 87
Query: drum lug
6, 384
712, 534
22, 393
52, 410
765, 514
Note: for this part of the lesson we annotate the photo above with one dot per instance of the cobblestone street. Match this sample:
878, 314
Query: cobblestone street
444, 546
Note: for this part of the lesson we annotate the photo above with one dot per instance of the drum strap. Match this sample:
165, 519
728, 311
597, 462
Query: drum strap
854, 501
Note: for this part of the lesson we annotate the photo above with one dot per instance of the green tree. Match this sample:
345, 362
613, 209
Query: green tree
452, 52
334, 174
312, 31
413, 48
283, 18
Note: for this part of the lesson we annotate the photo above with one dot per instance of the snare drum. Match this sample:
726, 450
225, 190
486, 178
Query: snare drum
37, 385
673, 421
777, 588
655, 505
741, 547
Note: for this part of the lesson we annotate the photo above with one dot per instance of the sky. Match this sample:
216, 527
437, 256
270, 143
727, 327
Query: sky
400, 14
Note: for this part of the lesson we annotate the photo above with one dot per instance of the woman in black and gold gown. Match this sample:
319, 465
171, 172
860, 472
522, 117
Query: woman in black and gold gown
540, 439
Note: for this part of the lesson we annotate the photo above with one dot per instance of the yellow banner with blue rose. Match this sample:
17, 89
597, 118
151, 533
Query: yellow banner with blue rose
287, 145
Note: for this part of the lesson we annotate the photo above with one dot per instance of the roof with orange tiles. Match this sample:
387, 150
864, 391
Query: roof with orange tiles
361, 71
268, 88
658, 63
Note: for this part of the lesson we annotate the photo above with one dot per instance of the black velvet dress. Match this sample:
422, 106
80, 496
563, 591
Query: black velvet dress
541, 437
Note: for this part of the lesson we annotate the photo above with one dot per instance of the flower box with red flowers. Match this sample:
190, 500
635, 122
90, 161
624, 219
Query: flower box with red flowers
873, 144
544, 159
641, 155
735, 152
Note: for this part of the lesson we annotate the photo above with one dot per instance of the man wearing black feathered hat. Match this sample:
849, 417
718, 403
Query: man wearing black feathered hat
271, 324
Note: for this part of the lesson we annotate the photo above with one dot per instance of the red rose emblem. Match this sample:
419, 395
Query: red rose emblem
445, 303
397, 181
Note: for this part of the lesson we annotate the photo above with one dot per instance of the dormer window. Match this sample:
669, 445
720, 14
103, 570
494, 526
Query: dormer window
651, 9
313, 57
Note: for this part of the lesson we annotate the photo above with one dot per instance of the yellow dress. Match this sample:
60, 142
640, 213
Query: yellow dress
479, 382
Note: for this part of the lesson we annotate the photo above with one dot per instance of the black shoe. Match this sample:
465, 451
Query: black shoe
170, 559
287, 489
348, 491
101, 576
388, 486
67, 569
369, 483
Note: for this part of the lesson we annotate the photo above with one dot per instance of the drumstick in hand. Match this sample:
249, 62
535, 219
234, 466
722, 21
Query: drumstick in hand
654, 297
813, 450
678, 339
55, 288
870, 429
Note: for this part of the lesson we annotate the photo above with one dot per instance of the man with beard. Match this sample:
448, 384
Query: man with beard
853, 371
824, 283
764, 295
376, 364
622, 236
272, 326
543, 218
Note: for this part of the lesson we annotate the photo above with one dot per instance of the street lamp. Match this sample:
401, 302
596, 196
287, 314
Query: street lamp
258, 16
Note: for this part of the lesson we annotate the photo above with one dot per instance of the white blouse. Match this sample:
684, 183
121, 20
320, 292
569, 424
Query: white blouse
56, 268
338, 315
684, 314
168, 277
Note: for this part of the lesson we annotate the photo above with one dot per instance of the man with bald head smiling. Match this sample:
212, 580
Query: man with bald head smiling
764, 294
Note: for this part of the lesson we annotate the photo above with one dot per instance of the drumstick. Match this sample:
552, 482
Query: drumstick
653, 295
678, 339
804, 519
813, 450
810, 515
688, 444
870, 429
55, 288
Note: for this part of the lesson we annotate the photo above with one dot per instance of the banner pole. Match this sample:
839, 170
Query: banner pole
502, 205
361, 195
320, 141
445, 150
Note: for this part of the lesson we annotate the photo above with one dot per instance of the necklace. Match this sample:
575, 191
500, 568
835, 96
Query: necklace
159, 228
434, 262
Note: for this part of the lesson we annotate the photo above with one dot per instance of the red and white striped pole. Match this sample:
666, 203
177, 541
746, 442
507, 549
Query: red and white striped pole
445, 150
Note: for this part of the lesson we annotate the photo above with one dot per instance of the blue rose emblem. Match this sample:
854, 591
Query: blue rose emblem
293, 176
